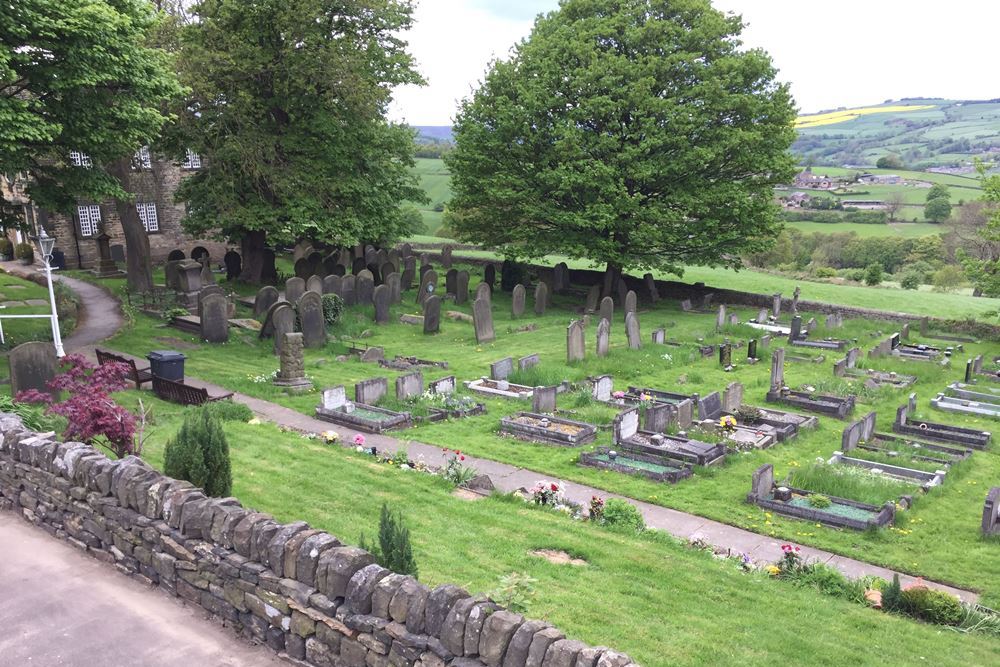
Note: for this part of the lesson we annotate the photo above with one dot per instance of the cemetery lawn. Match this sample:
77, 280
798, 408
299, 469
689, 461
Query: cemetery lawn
659, 601
14, 292
938, 539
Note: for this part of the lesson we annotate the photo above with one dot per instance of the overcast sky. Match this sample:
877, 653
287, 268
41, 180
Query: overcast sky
840, 53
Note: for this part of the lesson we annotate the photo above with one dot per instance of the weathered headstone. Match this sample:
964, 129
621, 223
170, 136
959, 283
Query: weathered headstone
369, 392
575, 343
347, 293
432, 314
188, 282
630, 303
991, 512
658, 417
852, 357
445, 385
593, 298
294, 289
720, 318
411, 384
446, 256
632, 331
311, 319
381, 299
778, 369
364, 287
501, 370
517, 301
659, 336
904, 333
734, 319
215, 318
266, 297
560, 277
607, 309
625, 425
795, 332
314, 284
462, 287
762, 316
710, 406
752, 350
32, 366
732, 397
482, 321
206, 291
358, 265
686, 305
428, 283
392, 281
685, 414
650, 282
543, 400
765, 341
451, 281
334, 398
529, 361
171, 274
762, 482
490, 275
726, 355
603, 337
333, 284
776, 305
601, 388
207, 277
811, 325
484, 292
541, 298
292, 368
234, 264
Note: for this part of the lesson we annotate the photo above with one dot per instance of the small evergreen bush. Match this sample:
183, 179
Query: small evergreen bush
621, 514
393, 550
25, 252
199, 453
873, 275
932, 606
892, 595
910, 280
333, 308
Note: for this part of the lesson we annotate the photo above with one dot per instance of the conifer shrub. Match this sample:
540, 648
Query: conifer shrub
393, 550
199, 453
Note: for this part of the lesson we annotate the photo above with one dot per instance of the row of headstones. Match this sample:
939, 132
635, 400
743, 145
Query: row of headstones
576, 344
280, 318
371, 391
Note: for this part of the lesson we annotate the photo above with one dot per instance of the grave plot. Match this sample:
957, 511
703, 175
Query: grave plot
548, 429
785, 424
860, 440
799, 337
991, 512
974, 392
847, 368
974, 371
336, 409
827, 404
936, 431
724, 423
656, 468
627, 437
499, 388
803, 504
894, 346
402, 363
978, 408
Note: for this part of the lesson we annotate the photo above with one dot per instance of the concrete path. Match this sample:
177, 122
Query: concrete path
63, 608
505, 477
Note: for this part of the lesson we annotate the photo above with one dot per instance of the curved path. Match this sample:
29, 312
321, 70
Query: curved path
102, 310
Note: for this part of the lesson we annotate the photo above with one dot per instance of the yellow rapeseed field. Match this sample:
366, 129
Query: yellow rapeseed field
815, 120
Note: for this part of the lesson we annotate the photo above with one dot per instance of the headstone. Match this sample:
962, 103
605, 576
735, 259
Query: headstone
482, 321
630, 303
517, 301
445, 385
411, 384
385, 270
654, 294
795, 332
970, 371
765, 341
710, 406
603, 337
752, 350
428, 283
292, 367
625, 425
726, 355
215, 318
364, 287
347, 293
373, 355
658, 417
734, 319
314, 284
706, 300
189, 276
311, 319
720, 318
991, 512
294, 289
334, 398
795, 300
205, 291
541, 298
332, 267
234, 264
207, 277
527, 362
911, 404
381, 298
424, 268
446, 256
811, 325
462, 288
406, 250
395, 292
32, 366
406, 278
607, 310
659, 336
484, 292
171, 274
904, 333
686, 305
776, 305
501, 370
852, 357
685, 414
593, 297
601, 388
543, 400
358, 265
432, 314
778, 369
301, 268
451, 281
924, 325
560, 277
333, 284
732, 397
369, 392
490, 275
575, 342
266, 297
632, 331
762, 482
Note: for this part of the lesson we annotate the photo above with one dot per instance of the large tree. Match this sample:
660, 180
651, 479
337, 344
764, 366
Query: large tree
80, 75
977, 235
288, 110
636, 133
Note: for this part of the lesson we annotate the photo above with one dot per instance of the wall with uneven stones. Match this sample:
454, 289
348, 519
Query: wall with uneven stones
300, 591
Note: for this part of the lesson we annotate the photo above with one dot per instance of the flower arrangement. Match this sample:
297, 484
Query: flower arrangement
548, 493
727, 423
454, 470
596, 509
330, 437
791, 560
618, 394
359, 439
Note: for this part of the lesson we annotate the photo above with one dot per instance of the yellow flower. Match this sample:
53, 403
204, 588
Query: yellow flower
254, 422
772, 570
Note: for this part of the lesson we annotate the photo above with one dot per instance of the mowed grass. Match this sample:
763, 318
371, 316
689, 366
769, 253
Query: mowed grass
906, 230
436, 182
942, 542
661, 602
17, 331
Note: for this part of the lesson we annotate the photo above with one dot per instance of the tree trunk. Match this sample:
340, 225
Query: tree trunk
612, 274
252, 246
138, 266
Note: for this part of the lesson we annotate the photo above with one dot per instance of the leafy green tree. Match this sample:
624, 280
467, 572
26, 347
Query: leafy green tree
938, 190
948, 278
873, 275
937, 209
890, 161
288, 108
81, 76
199, 453
637, 134
981, 257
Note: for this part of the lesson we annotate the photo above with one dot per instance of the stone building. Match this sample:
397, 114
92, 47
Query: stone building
153, 182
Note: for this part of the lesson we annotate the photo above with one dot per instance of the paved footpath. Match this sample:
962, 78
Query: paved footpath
505, 477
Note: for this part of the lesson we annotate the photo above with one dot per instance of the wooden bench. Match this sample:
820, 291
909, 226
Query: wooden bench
185, 394
137, 375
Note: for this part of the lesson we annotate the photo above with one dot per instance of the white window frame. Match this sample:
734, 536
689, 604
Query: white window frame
147, 213
89, 216
142, 158
191, 160
80, 159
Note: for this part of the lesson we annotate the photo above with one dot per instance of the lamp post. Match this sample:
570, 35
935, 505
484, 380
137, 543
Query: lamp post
45, 245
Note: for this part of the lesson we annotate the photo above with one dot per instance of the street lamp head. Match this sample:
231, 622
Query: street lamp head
45, 244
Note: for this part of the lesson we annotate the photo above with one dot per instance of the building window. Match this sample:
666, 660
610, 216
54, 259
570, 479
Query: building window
90, 219
147, 213
142, 160
192, 160
80, 159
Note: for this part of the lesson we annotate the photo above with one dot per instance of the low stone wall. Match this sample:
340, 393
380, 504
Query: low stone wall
300, 591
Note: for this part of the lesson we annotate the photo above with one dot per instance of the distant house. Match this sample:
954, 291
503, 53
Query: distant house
807, 179
880, 179
797, 200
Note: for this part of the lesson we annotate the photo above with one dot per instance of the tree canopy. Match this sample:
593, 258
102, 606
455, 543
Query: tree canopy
937, 209
982, 259
288, 109
638, 134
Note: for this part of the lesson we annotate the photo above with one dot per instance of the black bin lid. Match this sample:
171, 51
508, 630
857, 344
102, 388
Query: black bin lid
165, 355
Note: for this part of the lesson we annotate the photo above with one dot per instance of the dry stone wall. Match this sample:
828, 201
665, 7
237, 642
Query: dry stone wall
300, 591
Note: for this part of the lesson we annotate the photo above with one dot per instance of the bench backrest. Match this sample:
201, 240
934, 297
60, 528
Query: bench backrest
178, 391
108, 357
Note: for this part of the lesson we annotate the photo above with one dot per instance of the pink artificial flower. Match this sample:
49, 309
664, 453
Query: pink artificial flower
359, 439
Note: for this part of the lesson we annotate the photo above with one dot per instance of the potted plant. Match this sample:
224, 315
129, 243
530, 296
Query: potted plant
6, 250
25, 253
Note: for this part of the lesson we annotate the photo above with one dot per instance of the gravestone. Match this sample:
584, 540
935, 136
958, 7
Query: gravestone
734, 319
385, 270
686, 305
726, 355
795, 331
294, 289
215, 318
706, 300
234, 264
517, 301
364, 287
207, 277
462, 288
762, 316
659, 336
575, 342
543, 400
560, 277
501, 370
445, 385
654, 294
482, 321
188, 282
607, 310
205, 291
347, 293
852, 357
630, 300
358, 265
32, 366
541, 298
411, 384
373, 355
778, 369
925, 326
266, 297
762, 483
334, 398
632, 331
603, 337
432, 314
446, 256
406, 250
314, 284
484, 292
658, 417
451, 281
593, 297
710, 406
332, 267
720, 318
601, 388
529, 361
752, 350
428, 283
381, 298
490, 275
424, 268
406, 278
904, 333
732, 397
301, 268
311, 320
991, 512
776, 305
333, 284
685, 414
795, 300
765, 341
292, 367
395, 292
171, 274
625, 425
176, 255
811, 325
369, 392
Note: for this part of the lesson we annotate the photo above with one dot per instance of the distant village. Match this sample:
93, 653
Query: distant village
807, 180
